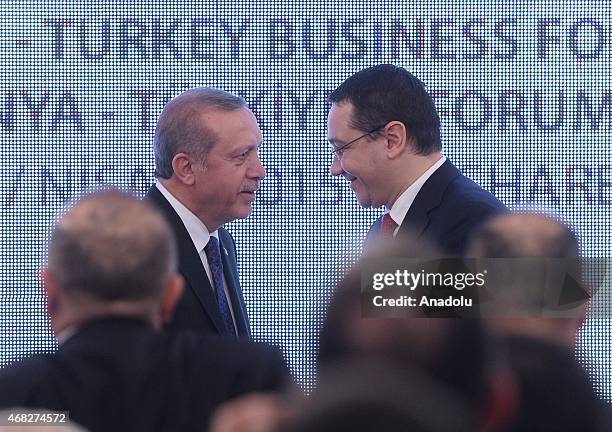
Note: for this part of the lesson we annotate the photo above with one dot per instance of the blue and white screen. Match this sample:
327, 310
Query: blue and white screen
523, 89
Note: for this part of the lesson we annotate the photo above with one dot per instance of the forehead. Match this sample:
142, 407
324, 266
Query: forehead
233, 128
339, 121
340, 113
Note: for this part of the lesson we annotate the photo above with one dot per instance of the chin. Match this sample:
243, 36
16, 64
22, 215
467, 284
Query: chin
244, 212
364, 202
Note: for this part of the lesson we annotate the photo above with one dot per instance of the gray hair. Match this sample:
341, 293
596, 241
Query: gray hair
111, 246
181, 129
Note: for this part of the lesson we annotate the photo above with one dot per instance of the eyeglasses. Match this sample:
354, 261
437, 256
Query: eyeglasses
337, 151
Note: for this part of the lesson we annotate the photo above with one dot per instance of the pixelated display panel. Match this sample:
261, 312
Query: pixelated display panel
522, 88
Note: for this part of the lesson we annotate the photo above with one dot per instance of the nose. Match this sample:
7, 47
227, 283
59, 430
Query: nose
257, 169
336, 167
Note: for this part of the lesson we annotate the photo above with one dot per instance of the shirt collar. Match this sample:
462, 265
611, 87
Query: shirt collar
195, 227
401, 206
63, 336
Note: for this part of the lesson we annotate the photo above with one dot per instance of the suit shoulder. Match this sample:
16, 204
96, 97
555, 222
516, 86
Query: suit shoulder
190, 343
464, 206
34, 366
246, 363
249, 350
262, 365
464, 193
21, 380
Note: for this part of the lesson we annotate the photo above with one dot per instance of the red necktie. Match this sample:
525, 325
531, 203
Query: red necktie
387, 228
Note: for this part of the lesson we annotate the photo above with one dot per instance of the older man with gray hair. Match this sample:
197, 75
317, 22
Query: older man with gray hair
207, 171
111, 283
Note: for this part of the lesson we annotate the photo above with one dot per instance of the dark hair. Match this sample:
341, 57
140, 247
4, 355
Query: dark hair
180, 127
112, 246
451, 350
384, 93
372, 395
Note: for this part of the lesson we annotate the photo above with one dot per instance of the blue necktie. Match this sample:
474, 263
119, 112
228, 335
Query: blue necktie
213, 253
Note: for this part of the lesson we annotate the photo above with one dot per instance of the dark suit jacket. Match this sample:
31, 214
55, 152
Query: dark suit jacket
117, 374
555, 392
197, 309
446, 211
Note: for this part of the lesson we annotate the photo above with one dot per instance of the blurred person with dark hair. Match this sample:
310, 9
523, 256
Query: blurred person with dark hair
110, 283
372, 396
355, 395
208, 171
451, 350
451, 353
385, 135
555, 393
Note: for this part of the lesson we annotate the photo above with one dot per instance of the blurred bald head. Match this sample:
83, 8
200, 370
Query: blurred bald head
110, 253
110, 246
516, 235
529, 235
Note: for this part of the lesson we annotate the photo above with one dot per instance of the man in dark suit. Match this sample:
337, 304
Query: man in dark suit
111, 281
207, 171
385, 133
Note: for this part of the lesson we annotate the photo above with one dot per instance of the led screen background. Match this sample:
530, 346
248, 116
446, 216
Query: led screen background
523, 91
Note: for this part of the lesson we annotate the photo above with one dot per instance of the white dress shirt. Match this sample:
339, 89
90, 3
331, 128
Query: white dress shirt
403, 203
200, 236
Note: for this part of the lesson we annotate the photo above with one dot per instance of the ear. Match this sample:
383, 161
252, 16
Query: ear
170, 295
397, 139
183, 168
51, 289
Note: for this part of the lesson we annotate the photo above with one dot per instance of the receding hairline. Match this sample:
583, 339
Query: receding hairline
187, 106
531, 234
528, 225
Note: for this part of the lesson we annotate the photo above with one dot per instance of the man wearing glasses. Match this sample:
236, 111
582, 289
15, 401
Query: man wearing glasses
385, 133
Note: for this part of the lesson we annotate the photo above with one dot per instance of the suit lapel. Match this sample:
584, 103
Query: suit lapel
190, 264
428, 198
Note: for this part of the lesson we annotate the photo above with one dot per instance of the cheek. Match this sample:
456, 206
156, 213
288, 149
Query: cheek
351, 165
233, 183
360, 168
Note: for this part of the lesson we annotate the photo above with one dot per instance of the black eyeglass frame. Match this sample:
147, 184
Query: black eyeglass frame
337, 151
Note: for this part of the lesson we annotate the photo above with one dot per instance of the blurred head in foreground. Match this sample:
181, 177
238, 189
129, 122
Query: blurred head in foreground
374, 395
529, 235
110, 254
111, 282
450, 350
554, 392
